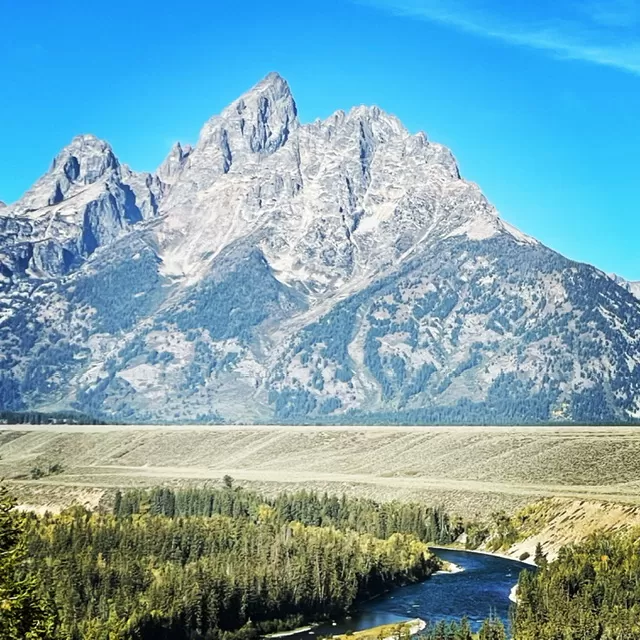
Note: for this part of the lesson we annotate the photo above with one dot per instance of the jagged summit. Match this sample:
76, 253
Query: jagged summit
270, 97
87, 148
273, 88
169, 170
353, 194
84, 161
86, 200
258, 122
254, 126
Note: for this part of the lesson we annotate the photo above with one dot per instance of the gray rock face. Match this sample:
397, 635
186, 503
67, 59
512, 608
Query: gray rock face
85, 201
328, 203
341, 270
170, 169
632, 287
85, 161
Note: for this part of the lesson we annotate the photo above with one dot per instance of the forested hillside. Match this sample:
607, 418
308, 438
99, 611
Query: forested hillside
591, 592
152, 577
229, 564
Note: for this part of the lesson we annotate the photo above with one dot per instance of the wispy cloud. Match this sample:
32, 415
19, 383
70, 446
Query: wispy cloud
604, 32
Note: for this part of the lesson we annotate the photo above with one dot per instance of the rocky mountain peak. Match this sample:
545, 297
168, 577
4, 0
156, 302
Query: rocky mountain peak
255, 126
172, 165
327, 202
258, 122
286, 272
270, 97
86, 200
84, 161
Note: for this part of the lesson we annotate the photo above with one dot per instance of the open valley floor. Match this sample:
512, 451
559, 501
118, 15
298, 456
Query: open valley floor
473, 471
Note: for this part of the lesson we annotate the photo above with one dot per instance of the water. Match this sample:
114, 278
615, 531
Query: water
480, 590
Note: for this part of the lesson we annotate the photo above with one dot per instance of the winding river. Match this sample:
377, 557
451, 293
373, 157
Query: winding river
481, 589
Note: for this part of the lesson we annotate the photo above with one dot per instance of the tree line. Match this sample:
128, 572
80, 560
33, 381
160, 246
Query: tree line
228, 564
38, 417
428, 524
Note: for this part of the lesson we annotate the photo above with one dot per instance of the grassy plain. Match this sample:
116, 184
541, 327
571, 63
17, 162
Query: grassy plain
471, 470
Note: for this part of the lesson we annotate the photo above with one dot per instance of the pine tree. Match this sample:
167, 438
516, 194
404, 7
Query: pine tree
492, 629
464, 630
540, 558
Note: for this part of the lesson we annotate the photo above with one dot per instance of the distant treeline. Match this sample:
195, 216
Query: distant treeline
428, 524
37, 417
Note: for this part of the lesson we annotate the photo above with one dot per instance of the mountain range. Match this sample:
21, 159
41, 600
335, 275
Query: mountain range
337, 271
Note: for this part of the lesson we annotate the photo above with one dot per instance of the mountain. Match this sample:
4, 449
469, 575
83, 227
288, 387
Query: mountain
632, 287
86, 200
338, 271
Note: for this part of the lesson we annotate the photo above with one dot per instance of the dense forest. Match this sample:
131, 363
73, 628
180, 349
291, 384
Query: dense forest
209, 564
153, 577
492, 629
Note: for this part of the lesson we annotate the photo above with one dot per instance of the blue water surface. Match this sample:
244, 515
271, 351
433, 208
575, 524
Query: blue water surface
480, 590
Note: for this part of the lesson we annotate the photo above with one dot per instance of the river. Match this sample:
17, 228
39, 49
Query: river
481, 589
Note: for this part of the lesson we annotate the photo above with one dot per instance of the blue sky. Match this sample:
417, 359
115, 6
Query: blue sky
539, 101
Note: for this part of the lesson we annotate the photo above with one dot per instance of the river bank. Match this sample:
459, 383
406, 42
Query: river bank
386, 631
495, 554
291, 632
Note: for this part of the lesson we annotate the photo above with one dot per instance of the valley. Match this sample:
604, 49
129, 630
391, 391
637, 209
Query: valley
296, 278
588, 472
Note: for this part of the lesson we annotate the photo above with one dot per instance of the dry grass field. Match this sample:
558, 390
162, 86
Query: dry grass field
473, 471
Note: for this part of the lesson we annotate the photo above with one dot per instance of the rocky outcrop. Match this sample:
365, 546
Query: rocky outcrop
171, 168
85, 201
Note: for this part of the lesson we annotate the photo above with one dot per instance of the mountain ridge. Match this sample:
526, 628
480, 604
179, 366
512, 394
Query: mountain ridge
276, 271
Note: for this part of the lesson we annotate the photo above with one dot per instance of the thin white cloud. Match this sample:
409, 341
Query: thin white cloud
604, 32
